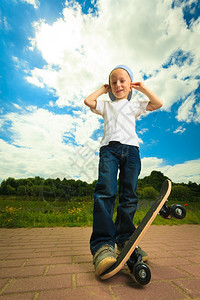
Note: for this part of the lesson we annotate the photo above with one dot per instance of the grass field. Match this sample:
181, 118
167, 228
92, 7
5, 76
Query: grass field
15, 212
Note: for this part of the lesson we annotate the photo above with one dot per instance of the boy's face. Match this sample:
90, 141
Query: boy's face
120, 83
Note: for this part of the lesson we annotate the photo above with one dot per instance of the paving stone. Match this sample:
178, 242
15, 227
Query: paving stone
170, 262
82, 252
192, 269
188, 254
159, 254
97, 293
39, 284
190, 286
167, 273
68, 252
12, 263
25, 296
83, 258
48, 261
19, 249
29, 255
70, 268
161, 291
22, 271
3, 282
55, 263
89, 279
3, 256
195, 259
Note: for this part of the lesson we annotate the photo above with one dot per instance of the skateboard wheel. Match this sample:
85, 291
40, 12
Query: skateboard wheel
142, 273
177, 211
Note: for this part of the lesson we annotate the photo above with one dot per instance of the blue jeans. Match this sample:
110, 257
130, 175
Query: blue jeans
126, 159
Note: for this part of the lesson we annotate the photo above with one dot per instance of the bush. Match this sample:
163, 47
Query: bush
149, 192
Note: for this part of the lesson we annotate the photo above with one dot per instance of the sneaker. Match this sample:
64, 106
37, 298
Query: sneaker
144, 255
103, 259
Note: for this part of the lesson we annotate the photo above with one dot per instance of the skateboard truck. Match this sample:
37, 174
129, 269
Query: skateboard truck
176, 211
138, 268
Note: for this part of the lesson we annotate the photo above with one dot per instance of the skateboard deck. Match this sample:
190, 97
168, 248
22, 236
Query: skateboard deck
140, 231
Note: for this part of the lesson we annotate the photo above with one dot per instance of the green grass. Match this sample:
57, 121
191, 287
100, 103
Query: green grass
19, 213
15, 212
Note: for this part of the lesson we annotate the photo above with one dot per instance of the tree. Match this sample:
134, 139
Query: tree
22, 190
155, 179
180, 192
194, 187
148, 187
11, 190
12, 182
3, 189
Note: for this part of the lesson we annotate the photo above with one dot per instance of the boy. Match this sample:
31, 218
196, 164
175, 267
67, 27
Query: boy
119, 150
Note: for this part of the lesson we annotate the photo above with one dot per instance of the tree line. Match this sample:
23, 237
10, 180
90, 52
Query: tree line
65, 189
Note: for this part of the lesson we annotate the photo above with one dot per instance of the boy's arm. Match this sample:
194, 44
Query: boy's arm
154, 101
91, 100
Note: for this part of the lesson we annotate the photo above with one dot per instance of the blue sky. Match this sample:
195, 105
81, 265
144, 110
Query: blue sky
54, 53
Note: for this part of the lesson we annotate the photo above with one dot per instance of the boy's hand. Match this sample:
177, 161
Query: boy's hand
139, 86
154, 101
106, 88
91, 99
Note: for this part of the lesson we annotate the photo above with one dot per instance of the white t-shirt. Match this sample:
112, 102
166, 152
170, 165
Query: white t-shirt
119, 120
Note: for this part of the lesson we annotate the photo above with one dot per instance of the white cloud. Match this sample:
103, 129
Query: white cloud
189, 111
188, 171
80, 50
143, 130
35, 3
149, 164
46, 76
38, 128
179, 130
86, 47
185, 172
171, 84
37, 145
5, 24
20, 64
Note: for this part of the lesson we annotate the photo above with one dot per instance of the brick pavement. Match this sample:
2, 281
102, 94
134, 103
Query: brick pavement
55, 263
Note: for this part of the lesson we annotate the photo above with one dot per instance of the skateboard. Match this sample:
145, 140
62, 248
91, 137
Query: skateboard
129, 255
